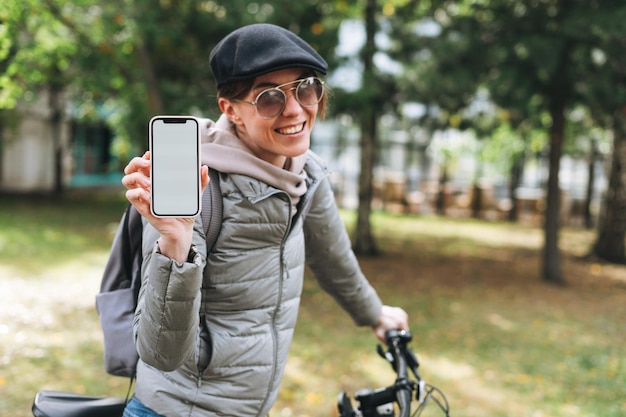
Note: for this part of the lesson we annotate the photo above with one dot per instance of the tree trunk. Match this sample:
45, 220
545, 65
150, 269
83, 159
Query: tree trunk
364, 239
515, 179
612, 228
56, 116
551, 254
591, 178
365, 243
440, 201
2, 144
477, 198
155, 101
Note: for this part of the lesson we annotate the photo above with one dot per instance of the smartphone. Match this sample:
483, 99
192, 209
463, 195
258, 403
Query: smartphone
175, 169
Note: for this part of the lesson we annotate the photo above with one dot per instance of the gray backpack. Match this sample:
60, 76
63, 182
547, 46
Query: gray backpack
121, 280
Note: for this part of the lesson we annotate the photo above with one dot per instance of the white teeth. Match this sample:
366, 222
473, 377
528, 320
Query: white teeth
291, 130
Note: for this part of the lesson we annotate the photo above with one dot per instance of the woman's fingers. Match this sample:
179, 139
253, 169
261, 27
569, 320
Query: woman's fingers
204, 176
137, 172
136, 180
139, 163
140, 198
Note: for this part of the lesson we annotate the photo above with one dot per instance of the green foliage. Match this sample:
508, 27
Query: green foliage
528, 55
125, 61
539, 52
35, 51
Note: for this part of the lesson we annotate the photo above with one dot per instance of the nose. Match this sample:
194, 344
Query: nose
292, 106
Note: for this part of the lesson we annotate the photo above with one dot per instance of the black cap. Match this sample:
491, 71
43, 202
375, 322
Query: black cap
257, 49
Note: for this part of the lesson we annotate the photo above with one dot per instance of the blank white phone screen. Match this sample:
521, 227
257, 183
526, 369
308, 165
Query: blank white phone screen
175, 167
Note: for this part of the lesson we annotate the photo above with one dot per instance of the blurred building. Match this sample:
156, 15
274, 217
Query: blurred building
42, 152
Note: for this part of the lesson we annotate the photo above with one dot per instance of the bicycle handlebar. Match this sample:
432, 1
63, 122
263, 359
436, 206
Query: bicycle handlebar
402, 389
397, 340
380, 402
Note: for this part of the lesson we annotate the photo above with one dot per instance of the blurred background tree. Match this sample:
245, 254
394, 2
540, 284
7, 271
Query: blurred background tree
533, 57
130, 60
517, 73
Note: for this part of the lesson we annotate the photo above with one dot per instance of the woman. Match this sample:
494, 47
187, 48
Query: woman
213, 326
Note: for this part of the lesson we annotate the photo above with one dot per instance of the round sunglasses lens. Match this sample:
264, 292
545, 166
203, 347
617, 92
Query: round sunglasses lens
270, 103
310, 91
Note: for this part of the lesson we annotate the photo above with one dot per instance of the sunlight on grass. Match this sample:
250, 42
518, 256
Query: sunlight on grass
39, 232
49, 334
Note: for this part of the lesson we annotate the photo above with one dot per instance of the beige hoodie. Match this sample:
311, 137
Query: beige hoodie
223, 151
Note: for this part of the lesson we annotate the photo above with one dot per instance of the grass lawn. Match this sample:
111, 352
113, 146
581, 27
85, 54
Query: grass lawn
487, 331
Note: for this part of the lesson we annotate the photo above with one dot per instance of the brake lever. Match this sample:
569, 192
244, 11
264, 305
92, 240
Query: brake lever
403, 337
412, 363
386, 355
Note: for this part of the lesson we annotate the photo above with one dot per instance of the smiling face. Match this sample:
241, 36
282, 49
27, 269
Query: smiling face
284, 136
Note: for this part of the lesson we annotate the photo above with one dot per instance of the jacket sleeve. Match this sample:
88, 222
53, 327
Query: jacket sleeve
166, 319
334, 264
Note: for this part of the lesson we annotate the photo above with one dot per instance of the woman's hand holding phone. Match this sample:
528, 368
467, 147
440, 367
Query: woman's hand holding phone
176, 232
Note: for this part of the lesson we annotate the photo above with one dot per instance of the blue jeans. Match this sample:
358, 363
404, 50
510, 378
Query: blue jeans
135, 408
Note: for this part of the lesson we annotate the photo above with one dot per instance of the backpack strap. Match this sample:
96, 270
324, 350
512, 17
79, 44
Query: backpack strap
125, 257
212, 209
133, 242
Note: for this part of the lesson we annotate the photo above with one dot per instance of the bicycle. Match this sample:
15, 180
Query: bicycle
372, 403
380, 402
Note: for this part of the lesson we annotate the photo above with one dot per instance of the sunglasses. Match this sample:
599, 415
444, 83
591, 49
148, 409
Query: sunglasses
271, 102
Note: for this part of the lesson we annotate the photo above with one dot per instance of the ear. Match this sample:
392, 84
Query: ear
227, 107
